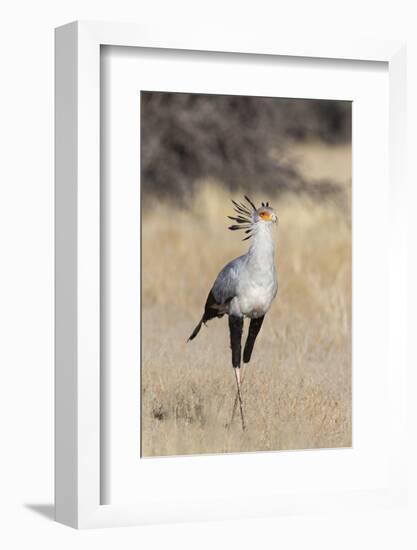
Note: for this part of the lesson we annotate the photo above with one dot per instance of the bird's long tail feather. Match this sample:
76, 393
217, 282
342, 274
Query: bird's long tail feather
196, 330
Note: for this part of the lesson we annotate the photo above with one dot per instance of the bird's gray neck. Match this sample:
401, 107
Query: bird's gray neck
262, 246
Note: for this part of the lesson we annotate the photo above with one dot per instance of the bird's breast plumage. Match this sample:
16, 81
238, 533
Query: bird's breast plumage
256, 293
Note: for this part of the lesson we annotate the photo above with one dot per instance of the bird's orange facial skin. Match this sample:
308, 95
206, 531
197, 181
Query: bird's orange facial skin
266, 216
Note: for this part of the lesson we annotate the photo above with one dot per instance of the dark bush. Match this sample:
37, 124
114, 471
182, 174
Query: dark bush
241, 141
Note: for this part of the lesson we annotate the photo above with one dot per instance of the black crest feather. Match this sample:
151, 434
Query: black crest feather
250, 202
243, 218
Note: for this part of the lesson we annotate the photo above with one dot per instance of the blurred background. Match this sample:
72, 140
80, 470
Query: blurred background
245, 142
197, 153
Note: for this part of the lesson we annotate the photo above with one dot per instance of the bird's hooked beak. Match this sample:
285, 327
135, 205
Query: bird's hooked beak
273, 218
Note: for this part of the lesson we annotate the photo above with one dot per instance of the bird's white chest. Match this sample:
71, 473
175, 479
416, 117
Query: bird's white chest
256, 298
256, 290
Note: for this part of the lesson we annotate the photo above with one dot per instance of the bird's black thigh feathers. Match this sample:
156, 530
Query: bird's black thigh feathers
254, 328
236, 328
212, 309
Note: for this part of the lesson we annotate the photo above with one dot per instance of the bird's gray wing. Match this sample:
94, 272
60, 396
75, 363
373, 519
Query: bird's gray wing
221, 293
225, 286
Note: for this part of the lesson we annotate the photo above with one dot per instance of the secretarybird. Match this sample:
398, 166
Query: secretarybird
245, 287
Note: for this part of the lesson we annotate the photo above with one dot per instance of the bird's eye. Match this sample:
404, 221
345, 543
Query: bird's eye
264, 215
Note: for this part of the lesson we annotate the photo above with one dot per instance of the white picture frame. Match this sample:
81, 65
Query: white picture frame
78, 501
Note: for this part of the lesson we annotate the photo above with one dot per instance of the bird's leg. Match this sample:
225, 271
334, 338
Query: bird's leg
236, 328
254, 328
237, 374
242, 376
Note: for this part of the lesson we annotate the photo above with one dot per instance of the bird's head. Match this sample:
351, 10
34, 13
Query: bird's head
248, 216
265, 214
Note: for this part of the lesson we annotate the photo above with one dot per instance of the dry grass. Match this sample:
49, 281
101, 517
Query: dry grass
297, 390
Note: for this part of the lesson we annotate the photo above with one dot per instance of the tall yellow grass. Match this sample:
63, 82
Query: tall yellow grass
297, 389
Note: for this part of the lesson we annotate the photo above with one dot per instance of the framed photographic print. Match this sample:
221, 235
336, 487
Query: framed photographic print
226, 220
